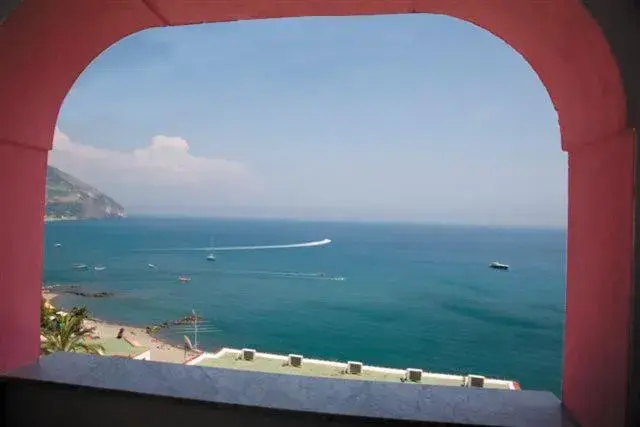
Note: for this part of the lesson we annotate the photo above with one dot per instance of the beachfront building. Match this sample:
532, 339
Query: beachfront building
295, 364
587, 55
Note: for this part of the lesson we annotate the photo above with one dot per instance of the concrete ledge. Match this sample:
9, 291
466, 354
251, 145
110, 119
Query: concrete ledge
246, 398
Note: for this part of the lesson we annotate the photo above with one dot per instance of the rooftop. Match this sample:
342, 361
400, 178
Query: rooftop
278, 364
120, 347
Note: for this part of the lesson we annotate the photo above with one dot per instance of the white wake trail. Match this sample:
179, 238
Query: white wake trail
290, 246
253, 248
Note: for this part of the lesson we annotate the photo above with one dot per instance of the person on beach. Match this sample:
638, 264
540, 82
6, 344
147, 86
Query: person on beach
120, 333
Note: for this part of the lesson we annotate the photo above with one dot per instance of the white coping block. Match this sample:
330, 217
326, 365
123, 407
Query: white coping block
326, 363
272, 356
444, 376
144, 356
382, 370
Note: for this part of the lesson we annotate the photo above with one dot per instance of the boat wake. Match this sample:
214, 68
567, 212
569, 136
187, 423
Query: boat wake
285, 274
252, 248
290, 246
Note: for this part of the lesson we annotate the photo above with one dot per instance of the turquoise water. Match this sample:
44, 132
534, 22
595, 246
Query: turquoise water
412, 295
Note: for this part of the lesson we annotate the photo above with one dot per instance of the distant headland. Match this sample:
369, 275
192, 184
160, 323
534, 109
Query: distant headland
68, 198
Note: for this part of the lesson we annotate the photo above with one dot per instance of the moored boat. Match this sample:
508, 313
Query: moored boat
498, 266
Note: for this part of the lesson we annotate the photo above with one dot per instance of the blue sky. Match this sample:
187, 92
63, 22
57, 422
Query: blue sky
415, 117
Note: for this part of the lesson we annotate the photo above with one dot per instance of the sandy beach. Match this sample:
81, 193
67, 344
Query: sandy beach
160, 351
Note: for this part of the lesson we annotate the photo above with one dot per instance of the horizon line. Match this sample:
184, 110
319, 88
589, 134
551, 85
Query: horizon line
349, 221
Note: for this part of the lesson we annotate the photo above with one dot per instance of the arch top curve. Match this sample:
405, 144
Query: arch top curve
560, 40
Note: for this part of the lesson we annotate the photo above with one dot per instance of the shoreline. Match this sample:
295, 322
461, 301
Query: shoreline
161, 350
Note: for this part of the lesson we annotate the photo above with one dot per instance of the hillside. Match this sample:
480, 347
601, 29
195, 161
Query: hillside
70, 198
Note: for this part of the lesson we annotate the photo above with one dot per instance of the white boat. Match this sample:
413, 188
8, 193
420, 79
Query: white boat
57, 245
80, 266
211, 256
498, 266
151, 266
99, 267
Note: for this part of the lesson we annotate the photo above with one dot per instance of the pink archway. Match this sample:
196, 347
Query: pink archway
45, 45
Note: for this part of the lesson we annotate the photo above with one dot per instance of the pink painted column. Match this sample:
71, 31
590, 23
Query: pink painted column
599, 279
44, 46
23, 176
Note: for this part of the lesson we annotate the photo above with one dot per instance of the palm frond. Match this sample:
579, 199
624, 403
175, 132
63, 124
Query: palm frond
89, 348
67, 332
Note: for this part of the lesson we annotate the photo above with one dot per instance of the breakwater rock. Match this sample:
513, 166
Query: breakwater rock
185, 320
75, 290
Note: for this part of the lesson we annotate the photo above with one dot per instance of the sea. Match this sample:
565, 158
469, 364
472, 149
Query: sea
386, 294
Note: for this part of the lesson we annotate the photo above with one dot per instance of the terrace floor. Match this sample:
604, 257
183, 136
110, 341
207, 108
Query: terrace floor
231, 360
119, 347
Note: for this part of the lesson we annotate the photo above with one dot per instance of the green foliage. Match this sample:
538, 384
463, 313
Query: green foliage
47, 314
82, 312
66, 332
62, 209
